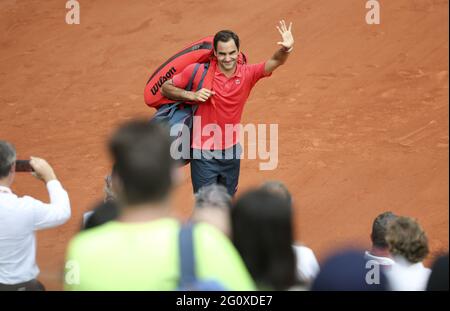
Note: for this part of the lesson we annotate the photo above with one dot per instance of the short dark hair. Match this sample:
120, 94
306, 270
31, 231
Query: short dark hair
262, 230
141, 152
225, 36
379, 229
7, 158
407, 239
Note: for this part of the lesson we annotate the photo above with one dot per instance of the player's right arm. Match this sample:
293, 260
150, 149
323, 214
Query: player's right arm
170, 91
174, 88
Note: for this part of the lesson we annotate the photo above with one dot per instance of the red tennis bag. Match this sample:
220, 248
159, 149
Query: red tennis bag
197, 52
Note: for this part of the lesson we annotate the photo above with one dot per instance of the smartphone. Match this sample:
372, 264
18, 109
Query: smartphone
23, 166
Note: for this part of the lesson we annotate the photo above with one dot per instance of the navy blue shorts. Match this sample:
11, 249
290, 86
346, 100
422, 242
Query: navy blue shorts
216, 167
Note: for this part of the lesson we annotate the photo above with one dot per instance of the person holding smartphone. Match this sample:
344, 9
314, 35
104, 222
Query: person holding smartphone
20, 217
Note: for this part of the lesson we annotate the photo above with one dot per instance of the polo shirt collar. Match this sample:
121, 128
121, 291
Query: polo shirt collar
236, 74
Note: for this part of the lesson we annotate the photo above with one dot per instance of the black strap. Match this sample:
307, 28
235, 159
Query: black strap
202, 78
187, 259
191, 80
170, 107
200, 83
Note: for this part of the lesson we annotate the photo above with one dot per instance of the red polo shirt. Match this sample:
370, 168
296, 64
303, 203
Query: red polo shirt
225, 107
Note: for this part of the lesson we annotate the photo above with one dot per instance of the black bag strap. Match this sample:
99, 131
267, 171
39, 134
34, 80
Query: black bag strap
169, 110
187, 259
191, 80
200, 83
202, 78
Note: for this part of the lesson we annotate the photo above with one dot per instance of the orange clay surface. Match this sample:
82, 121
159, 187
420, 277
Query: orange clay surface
362, 109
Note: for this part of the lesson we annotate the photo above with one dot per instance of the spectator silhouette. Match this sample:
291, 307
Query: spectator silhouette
306, 261
108, 209
262, 232
439, 275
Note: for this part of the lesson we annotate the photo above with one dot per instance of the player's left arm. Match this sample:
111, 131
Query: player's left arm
287, 45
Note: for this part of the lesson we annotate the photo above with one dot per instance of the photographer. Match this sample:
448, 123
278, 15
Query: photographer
21, 216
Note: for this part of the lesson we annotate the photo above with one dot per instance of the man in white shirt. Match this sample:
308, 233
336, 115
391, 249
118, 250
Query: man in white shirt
20, 217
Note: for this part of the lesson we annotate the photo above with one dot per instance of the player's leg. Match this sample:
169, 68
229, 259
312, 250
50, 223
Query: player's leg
230, 170
204, 170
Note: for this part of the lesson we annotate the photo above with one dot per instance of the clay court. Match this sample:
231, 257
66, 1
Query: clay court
362, 109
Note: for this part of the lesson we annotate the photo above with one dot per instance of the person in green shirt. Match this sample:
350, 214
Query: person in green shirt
139, 250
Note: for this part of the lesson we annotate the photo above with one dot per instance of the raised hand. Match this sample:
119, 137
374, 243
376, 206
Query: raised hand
286, 35
42, 170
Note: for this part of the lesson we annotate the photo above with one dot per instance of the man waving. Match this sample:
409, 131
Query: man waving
217, 159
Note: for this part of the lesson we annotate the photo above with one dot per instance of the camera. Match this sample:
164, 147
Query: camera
23, 166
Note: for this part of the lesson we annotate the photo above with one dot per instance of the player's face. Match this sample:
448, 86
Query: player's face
227, 55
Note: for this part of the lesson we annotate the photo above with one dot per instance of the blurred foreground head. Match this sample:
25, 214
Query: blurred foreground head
143, 164
212, 205
439, 276
262, 224
347, 270
278, 188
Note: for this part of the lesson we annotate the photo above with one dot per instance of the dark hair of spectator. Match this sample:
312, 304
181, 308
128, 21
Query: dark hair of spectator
263, 234
141, 153
379, 228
